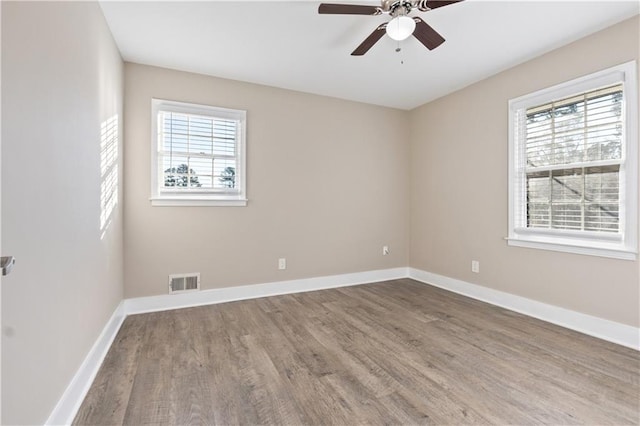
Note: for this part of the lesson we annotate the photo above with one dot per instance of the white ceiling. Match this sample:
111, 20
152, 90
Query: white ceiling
287, 44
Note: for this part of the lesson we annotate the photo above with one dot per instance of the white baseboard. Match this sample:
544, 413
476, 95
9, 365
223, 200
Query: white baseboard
229, 294
611, 331
68, 405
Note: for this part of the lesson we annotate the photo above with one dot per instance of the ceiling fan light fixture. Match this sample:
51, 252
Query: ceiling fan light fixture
401, 27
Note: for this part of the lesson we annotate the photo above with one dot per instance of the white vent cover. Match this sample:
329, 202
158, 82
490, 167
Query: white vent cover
179, 283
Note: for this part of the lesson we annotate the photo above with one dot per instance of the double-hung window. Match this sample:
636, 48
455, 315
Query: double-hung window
198, 155
573, 182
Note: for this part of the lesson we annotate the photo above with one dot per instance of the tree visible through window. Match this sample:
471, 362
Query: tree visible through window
181, 176
228, 178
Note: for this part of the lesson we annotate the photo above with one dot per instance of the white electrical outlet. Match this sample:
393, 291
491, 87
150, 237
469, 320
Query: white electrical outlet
385, 250
475, 266
282, 263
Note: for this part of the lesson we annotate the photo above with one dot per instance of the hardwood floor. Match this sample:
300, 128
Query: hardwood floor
397, 352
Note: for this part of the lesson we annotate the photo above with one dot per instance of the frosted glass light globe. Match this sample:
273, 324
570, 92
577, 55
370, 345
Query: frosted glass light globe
401, 27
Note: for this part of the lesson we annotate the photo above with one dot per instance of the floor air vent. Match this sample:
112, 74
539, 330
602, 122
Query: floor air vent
179, 283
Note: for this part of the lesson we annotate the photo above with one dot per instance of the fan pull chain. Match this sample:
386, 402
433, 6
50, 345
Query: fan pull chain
398, 50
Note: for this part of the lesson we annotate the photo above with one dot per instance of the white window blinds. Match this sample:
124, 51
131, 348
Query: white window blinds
197, 153
574, 151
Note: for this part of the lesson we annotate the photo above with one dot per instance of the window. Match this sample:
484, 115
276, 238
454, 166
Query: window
198, 155
573, 159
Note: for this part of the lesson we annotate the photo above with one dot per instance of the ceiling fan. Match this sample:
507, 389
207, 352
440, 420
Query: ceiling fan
399, 28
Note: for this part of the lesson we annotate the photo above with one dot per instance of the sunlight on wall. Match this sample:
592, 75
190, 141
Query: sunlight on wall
108, 171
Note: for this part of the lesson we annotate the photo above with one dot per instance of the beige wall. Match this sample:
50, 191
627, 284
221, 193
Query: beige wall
61, 79
327, 187
459, 189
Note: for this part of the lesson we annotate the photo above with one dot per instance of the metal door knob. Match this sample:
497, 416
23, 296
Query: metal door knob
6, 263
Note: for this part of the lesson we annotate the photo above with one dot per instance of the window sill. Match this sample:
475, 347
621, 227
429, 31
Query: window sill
198, 202
589, 248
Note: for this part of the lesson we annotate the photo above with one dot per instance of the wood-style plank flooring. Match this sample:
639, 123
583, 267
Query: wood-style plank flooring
397, 352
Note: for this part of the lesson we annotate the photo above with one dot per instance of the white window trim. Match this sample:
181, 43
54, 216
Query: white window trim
202, 198
623, 245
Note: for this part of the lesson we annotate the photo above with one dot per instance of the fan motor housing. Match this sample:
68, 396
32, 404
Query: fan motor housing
397, 7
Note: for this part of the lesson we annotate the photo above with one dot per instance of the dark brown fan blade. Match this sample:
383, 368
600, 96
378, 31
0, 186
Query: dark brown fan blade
369, 41
434, 4
427, 35
348, 9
